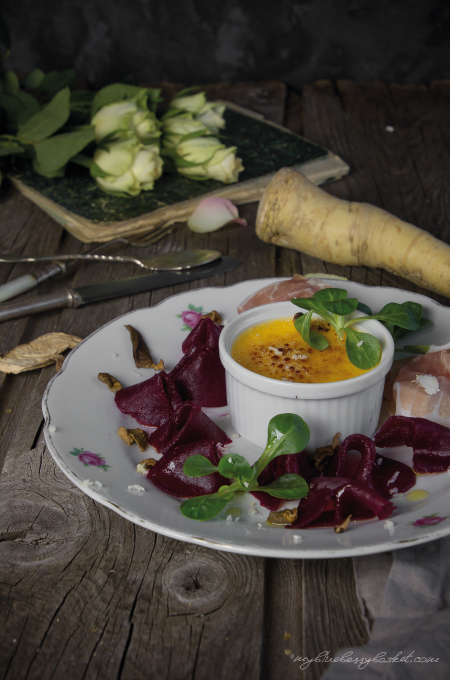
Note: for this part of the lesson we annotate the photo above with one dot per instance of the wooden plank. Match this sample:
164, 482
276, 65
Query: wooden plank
84, 593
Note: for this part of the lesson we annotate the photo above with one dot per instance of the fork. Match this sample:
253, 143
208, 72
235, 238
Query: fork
57, 266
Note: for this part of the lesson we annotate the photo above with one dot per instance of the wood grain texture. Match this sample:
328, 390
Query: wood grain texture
86, 594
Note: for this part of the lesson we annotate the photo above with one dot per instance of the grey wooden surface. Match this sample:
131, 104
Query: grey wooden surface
85, 593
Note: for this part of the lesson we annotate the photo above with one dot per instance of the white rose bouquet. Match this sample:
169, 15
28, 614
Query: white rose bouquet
114, 132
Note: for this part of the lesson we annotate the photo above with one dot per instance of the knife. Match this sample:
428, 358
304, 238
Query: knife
76, 297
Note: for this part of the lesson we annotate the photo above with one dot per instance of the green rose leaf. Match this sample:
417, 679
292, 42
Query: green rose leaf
232, 465
10, 82
46, 121
10, 148
363, 349
34, 79
198, 466
289, 486
117, 92
56, 80
51, 155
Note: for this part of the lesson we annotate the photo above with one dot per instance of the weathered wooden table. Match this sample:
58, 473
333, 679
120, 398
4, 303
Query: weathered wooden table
87, 594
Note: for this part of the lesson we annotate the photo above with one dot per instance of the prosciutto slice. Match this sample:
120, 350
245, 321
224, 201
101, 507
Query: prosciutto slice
422, 388
199, 375
168, 473
186, 425
298, 286
151, 402
430, 441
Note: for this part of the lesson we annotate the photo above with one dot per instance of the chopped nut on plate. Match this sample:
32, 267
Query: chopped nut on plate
214, 316
134, 435
283, 517
109, 380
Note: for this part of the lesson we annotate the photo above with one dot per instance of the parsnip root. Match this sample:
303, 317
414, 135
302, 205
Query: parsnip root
296, 214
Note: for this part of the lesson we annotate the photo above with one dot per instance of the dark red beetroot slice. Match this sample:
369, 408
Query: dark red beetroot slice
338, 466
390, 476
187, 424
282, 465
373, 470
206, 332
151, 402
200, 377
168, 473
429, 441
350, 498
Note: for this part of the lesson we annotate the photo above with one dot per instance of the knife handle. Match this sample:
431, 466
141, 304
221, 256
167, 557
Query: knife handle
29, 281
40, 303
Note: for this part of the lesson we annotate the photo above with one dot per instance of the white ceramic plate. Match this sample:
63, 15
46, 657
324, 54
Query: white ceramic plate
85, 444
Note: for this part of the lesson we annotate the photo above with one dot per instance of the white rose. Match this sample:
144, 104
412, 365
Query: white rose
127, 166
129, 118
176, 127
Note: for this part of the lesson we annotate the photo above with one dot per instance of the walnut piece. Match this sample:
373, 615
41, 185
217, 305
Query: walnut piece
109, 380
214, 316
135, 435
324, 453
145, 465
141, 354
283, 517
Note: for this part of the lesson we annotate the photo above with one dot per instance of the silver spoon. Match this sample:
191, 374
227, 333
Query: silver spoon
180, 259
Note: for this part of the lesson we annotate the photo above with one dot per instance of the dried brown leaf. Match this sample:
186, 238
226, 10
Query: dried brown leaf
141, 355
283, 517
109, 380
59, 360
215, 316
342, 527
38, 353
135, 435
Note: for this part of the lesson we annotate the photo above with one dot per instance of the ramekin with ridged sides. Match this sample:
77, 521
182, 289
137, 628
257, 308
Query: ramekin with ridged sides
345, 406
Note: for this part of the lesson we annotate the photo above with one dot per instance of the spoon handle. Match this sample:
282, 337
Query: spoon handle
65, 258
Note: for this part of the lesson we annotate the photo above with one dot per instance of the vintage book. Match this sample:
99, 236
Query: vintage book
93, 215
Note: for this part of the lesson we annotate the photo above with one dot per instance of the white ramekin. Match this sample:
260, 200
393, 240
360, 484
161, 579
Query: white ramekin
345, 406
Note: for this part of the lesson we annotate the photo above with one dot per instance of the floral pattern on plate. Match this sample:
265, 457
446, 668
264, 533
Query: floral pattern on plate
190, 317
428, 520
88, 458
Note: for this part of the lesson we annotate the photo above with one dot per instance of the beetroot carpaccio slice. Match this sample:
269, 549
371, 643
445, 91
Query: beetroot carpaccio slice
205, 332
391, 476
430, 441
186, 425
168, 473
384, 475
151, 402
200, 377
281, 465
340, 465
346, 497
